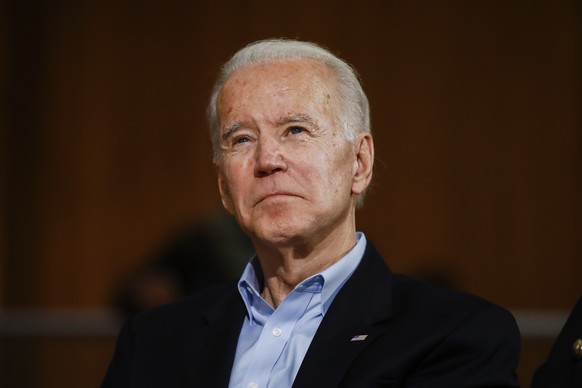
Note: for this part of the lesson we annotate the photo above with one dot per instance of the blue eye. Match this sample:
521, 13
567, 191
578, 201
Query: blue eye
295, 130
241, 139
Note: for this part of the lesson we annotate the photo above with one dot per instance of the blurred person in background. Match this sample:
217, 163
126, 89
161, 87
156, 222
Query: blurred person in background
212, 251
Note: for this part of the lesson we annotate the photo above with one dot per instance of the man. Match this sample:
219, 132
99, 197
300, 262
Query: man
317, 306
563, 368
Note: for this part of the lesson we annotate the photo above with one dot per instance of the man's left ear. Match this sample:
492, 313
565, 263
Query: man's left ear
364, 163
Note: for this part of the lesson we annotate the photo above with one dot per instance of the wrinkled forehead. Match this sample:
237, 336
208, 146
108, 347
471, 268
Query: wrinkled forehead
301, 81
299, 72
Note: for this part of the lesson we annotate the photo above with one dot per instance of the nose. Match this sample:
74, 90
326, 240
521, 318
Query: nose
269, 158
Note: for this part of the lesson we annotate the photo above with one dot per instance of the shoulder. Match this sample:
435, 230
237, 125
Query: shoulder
421, 303
150, 345
473, 340
422, 299
434, 336
411, 298
457, 325
185, 312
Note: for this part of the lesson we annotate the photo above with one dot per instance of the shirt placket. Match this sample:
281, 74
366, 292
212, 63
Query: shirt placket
274, 337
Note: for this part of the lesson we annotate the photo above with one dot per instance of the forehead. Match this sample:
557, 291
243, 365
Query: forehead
306, 77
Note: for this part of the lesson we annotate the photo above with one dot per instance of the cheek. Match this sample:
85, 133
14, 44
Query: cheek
336, 165
239, 182
329, 177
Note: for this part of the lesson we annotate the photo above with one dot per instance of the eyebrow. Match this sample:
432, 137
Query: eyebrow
298, 118
231, 128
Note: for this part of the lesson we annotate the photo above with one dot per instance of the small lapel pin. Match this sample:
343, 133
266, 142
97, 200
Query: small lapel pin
360, 337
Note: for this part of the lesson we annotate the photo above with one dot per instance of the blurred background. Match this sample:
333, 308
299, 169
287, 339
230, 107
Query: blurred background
106, 180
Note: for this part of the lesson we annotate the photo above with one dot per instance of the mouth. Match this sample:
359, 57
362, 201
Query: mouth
276, 195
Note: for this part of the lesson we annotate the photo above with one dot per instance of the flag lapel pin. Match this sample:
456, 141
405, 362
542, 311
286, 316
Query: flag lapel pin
359, 337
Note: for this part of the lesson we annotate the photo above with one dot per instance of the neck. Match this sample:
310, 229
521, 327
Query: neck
286, 267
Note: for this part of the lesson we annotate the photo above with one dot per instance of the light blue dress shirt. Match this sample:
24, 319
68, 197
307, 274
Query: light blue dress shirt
273, 342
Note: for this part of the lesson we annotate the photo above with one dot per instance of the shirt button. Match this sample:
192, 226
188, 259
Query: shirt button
253, 385
276, 332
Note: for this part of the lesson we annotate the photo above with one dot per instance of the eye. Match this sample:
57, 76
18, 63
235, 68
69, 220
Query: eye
240, 140
295, 130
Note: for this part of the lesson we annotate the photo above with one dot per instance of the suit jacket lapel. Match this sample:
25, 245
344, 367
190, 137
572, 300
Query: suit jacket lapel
361, 307
209, 349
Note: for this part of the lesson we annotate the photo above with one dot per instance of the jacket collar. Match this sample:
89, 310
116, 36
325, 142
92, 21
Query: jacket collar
362, 308
209, 349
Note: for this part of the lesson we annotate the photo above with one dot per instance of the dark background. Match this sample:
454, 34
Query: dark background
476, 114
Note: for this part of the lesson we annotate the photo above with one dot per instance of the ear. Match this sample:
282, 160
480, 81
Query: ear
364, 163
224, 190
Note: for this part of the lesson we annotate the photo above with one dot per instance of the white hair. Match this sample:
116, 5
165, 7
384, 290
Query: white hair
354, 111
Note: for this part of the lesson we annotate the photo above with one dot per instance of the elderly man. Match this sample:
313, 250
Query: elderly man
316, 306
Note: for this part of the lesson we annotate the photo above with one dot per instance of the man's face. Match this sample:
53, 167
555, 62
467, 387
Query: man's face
286, 171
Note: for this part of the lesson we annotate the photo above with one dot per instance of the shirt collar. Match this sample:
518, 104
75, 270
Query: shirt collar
337, 274
328, 282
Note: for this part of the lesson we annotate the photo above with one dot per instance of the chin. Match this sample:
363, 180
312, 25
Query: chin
280, 233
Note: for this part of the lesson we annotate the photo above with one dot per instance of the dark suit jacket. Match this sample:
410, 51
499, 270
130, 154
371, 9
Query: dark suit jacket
418, 336
563, 368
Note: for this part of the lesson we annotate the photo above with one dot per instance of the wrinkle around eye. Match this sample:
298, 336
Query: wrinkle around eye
236, 144
296, 130
241, 139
